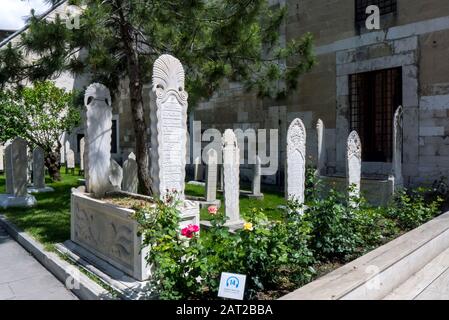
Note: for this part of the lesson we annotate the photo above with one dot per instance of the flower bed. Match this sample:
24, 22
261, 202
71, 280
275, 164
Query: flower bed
277, 256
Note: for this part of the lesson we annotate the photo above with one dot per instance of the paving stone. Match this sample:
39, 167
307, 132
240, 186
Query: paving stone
23, 278
5, 292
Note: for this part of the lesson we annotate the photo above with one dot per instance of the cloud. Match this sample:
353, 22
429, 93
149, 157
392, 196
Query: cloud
14, 12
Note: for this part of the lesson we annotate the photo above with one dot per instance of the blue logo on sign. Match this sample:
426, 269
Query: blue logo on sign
232, 282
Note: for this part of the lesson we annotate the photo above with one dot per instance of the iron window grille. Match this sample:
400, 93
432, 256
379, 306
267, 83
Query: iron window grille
374, 97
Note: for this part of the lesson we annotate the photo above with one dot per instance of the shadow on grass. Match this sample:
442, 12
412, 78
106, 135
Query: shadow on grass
49, 220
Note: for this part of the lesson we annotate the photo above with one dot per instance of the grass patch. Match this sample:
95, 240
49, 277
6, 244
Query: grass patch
272, 200
49, 221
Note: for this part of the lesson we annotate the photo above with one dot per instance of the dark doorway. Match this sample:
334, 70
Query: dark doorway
374, 97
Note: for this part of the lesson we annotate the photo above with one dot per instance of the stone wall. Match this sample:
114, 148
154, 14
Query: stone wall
416, 39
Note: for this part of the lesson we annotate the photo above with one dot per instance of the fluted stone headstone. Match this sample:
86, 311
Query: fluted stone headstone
115, 175
168, 123
17, 167
257, 177
231, 175
39, 172
397, 148
38, 168
211, 175
354, 163
321, 157
130, 181
70, 157
66, 152
16, 162
82, 148
296, 161
98, 139
197, 169
62, 153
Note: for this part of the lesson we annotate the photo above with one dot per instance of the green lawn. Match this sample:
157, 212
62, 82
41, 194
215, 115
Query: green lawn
272, 199
49, 221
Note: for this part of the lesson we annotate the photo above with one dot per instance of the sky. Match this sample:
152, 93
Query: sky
13, 12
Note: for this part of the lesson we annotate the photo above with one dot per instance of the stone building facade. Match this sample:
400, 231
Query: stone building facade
361, 77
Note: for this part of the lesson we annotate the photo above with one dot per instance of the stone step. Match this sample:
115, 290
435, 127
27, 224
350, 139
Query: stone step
127, 287
437, 290
378, 273
420, 282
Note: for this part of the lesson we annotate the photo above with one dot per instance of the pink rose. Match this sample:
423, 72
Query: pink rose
212, 210
190, 230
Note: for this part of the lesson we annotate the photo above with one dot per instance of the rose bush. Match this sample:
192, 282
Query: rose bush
274, 254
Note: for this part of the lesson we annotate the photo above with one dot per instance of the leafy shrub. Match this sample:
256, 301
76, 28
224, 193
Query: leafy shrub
333, 231
410, 209
184, 267
312, 184
373, 227
266, 251
272, 254
176, 259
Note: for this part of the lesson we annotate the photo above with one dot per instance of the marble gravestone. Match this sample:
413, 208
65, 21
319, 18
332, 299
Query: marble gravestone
397, 149
130, 181
354, 164
82, 146
66, 151
321, 156
257, 177
38, 168
110, 231
16, 162
70, 158
98, 139
2, 153
198, 169
231, 177
39, 172
296, 161
115, 175
168, 124
211, 175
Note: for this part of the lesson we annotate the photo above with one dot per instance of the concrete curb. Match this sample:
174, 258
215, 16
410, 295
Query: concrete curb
87, 290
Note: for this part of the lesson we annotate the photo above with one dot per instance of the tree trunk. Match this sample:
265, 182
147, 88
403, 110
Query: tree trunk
53, 164
137, 109
142, 148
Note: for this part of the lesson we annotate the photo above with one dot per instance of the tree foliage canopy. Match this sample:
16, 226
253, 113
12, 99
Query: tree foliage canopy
38, 114
214, 39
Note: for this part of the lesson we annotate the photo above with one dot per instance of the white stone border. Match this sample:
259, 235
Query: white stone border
395, 262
